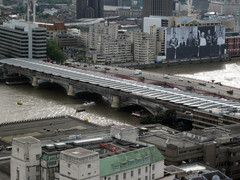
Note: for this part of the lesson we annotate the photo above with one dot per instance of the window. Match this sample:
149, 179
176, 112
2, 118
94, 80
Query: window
146, 169
124, 175
69, 173
153, 176
146, 178
17, 149
17, 174
69, 165
89, 166
116, 177
146, 159
139, 178
117, 167
37, 168
124, 165
38, 177
132, 173
153, 167
139, 171
132, 163
109, 178
89, 174
37, 156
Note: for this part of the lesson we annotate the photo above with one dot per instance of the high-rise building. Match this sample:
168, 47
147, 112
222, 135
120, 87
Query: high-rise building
89, 8
22, 39
157, 7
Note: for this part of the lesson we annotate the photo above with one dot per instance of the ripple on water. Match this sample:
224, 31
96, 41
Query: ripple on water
228, 76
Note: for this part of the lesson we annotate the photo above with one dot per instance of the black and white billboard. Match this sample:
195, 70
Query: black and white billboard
193, 42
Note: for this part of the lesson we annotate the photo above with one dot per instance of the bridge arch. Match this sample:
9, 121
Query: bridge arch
138, 106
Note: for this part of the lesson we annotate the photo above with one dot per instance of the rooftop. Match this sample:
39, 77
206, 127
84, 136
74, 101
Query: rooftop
199, 171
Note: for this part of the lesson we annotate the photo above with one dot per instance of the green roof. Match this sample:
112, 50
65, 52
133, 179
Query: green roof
52, 157
132, 159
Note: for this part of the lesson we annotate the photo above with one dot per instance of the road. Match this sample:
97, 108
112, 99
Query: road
168, 80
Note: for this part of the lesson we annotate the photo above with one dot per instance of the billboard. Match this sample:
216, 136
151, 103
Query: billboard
194, 42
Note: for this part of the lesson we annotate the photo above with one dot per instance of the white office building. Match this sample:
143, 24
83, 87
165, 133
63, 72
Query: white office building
144, 48
95, 158
22, 39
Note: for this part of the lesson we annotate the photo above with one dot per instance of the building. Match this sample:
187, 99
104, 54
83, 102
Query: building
123, 11
229, 7
233, 45
215, 147
53, 29
89, 9
201, 6
22, 39
157, 8
195, 171
68, 40
108, 44
95, 158
186, 29
144, 48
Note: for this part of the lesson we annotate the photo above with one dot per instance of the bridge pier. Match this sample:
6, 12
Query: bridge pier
70, 90
35, 81
115, 102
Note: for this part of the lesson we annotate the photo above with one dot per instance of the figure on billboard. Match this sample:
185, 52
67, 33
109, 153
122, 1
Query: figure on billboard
220, 42
209, 38
181, 48
203, 41
190, 40
215, 38
220, 39
182, 42
174, 43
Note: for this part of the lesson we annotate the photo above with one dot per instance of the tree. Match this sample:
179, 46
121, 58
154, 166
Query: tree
54, 52
169, 117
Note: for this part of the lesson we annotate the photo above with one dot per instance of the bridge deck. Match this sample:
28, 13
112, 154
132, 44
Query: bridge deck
138, 88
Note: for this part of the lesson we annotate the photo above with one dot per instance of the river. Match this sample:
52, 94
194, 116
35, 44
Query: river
53, 101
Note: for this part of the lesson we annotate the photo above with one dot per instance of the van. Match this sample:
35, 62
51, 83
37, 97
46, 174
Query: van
137, 72
9, 148
166, 76
202, 84
180, 79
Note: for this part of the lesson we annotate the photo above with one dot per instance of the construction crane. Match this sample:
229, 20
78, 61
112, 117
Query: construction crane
32, 3
189, 7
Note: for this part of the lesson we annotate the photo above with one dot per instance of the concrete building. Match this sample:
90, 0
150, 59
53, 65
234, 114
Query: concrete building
185, 21
195, 171
144, 48
215, 147
95, 158
25, 159
105, 39
53, 29
68, 40
229, 7
89, 9
123, 11
157, 7
233, 44
22, 39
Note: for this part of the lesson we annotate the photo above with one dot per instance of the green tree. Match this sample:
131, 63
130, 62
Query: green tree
54, 52
169, 117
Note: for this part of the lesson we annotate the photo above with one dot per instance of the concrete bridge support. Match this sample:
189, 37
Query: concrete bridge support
70, 90
35, 81
115, 102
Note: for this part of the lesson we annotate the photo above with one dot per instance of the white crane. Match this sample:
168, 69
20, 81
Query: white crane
32, 3
190, 8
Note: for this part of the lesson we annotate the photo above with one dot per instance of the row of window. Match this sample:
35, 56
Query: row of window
125, 177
